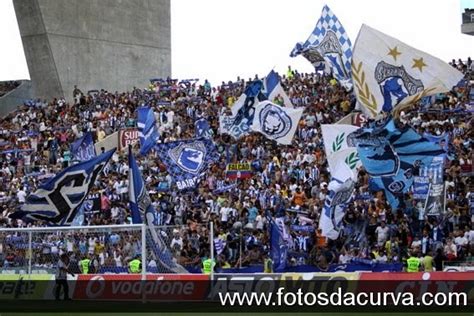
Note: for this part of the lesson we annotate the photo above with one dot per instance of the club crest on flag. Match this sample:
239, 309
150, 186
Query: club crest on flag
332, 50
395, 84
274, 121
189, 157
389, 74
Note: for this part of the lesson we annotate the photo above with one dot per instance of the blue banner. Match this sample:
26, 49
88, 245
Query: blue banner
421, 187
202, 128
147, 131
58, 200
187, 160
83, 149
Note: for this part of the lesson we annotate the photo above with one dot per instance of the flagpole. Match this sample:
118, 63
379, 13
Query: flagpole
211, 232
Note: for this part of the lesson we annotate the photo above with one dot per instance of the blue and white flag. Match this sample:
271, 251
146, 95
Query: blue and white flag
341, 188
276, 122
274, 90
187, 160
83, 149
388, 73
139, 199
80, 216
142, 208
243, 111
328, 43
390, 155
58, 200
278, 246
202, 128
147, 131
219, 245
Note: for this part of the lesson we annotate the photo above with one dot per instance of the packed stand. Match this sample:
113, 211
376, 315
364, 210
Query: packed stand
288, 180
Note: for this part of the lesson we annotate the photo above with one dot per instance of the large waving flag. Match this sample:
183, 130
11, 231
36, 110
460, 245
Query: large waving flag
337, 147
243, 111
141, 208
147, 131
340, 189
83, 149
390, 155
273, 89
387, 72
275, 122
187, 160
58, 200
330, 43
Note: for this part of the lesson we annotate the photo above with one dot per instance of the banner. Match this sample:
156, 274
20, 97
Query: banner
83, 149
387, 73
187, 160
276, 122
127, 137
58, 200
131, 287
147, 130
238, 171
421, 187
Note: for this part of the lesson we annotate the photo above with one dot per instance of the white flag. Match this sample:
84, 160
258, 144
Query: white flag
336, 146
274, 89
276, 122
387, 72
340, 189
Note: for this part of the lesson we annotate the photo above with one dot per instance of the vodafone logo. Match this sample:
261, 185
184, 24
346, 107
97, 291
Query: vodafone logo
95, 286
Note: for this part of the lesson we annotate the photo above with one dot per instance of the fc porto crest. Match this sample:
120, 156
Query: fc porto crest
395, 84
189, 157
274, 121
331, 48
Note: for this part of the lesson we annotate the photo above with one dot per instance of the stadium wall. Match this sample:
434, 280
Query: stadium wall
109, 44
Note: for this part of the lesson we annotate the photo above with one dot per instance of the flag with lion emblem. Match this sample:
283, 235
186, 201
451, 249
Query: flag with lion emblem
388, 73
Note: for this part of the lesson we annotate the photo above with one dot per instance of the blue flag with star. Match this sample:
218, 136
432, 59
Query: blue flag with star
187, 160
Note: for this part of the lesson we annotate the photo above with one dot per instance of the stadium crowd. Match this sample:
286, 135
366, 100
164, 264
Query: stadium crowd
288, 181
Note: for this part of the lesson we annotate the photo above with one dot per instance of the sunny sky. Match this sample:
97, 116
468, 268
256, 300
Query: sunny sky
222, 39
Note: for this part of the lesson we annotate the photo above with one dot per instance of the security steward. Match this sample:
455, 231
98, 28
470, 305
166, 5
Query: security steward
207, 264
413, 264
135, 266
267, 264
84, 265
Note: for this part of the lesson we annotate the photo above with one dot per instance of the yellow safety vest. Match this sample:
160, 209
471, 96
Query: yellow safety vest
268, 266
207, 266
135, 266
85, 265
413, 264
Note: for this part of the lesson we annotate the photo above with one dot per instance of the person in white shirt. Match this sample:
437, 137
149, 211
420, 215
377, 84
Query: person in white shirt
21, 196
382, 233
